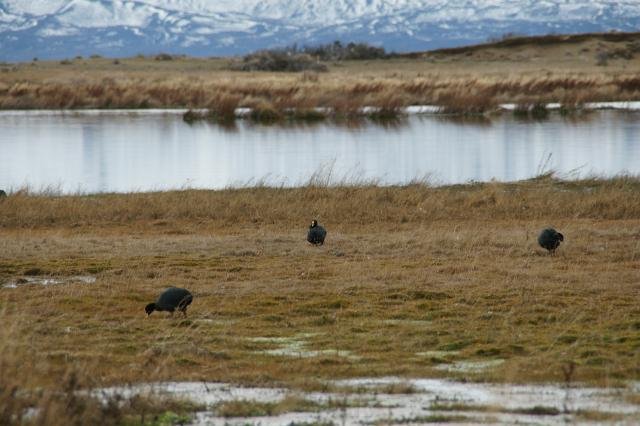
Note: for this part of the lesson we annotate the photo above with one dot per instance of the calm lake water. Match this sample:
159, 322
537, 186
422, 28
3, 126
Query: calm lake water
141, 152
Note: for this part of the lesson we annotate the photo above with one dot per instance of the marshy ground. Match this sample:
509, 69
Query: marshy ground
412, 281
570, 70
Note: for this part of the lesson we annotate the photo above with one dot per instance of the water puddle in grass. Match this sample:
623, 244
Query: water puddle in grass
296, 346
201, 393
429, 400
46, 281
438, 354
470, 366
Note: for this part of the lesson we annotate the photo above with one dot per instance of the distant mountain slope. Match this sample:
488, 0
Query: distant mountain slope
64, 28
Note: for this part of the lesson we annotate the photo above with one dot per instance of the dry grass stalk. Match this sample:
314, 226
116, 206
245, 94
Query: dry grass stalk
455, 95
610, 199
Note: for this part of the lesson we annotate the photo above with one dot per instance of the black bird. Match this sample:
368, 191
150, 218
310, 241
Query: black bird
171, 299
550, 239
316, 233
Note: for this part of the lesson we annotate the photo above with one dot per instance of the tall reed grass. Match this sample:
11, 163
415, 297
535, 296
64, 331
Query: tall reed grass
346, 95
615, 198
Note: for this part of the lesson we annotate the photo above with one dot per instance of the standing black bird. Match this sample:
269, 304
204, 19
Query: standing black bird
550, 239
316, 233
171, 299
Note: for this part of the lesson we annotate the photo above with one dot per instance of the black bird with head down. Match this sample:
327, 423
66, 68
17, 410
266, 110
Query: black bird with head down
550, 239
316, 233
171, 299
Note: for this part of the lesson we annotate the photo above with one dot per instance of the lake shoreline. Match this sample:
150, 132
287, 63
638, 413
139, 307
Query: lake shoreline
86, 152
363, 111
519, 200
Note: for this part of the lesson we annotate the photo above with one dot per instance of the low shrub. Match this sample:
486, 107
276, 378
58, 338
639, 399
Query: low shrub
164, 57
278, 61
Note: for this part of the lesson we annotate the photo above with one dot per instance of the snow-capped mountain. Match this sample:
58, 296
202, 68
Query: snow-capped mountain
66, 28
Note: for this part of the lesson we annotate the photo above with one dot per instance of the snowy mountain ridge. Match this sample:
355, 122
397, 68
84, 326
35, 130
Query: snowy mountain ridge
62, 28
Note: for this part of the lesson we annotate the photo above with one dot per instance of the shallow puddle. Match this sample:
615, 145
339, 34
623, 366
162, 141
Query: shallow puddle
430, 399
78, 279
198, 392
470, 366
296, 346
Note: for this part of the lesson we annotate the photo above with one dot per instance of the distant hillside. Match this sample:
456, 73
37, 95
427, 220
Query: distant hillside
55, 29
545, 40
598, 48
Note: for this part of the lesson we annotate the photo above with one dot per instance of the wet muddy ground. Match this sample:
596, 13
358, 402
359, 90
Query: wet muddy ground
365, 401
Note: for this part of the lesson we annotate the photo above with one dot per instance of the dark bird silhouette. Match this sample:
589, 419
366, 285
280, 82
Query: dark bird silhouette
316, 233
2, 194
550, 239
171, 299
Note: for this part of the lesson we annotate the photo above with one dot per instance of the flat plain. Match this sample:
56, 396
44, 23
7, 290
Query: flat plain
410, 281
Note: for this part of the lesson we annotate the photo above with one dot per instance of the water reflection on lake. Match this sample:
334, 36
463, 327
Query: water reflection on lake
95, 153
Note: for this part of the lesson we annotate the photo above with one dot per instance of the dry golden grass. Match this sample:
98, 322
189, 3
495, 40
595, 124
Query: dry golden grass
405, 270
471, 80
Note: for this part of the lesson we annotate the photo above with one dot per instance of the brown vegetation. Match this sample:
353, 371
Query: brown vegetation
339, 93
538, 199
71, 400
405, 272
278, 60
474, 79
516, 41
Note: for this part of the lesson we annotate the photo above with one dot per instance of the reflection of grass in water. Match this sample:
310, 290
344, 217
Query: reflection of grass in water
266, 114
477, 120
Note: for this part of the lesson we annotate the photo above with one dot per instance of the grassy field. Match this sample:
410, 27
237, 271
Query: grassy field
571, 70
411, 280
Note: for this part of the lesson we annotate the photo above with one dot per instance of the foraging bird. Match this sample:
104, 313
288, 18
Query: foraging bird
550, 239
316, 233
171, 299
